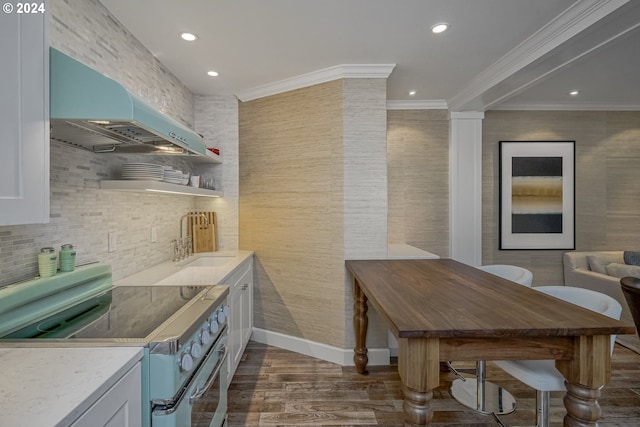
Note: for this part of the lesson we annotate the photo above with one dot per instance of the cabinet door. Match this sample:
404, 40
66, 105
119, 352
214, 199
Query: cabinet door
24, 117
240, 319
120, 406
235, 332
246, 288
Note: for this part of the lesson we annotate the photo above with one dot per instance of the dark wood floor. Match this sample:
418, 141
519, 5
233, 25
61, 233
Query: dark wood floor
275, 387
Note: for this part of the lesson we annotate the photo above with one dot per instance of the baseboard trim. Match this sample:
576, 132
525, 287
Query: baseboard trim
341, 356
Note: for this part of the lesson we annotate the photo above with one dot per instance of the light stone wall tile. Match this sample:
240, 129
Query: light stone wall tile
86, 31
607, 202
216, 118
82, 214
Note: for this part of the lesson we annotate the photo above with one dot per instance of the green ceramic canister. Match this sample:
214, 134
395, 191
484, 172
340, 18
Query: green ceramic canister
67, 258
47, 262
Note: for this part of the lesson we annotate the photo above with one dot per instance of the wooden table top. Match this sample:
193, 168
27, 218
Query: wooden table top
447, 299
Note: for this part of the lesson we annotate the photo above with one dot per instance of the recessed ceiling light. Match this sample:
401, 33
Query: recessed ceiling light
412, 92
574, 93
188, 37
212, 73
439, 28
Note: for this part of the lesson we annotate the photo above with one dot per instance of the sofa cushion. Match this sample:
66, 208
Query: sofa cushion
623, 270
599, 262
632, 257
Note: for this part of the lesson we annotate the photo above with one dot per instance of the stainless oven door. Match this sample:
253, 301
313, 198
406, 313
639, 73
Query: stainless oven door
204, 402
209, 405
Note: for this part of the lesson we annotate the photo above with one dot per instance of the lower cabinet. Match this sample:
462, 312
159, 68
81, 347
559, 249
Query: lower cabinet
120, 406
241, 314
246, 309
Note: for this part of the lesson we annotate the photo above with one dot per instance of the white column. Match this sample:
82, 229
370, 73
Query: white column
465, 186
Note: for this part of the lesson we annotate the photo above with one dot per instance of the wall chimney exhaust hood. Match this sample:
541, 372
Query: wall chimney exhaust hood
93, 111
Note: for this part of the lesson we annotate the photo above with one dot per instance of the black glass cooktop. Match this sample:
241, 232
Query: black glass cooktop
127, 312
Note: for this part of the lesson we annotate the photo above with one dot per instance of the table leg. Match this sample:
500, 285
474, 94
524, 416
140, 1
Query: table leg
419, 368
582, 406
586, 374
360, 324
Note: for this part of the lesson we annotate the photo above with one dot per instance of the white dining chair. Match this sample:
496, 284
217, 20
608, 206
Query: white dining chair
542, 375
511, 272
477, 393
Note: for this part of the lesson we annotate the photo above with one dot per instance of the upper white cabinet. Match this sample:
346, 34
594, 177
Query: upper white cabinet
24, 114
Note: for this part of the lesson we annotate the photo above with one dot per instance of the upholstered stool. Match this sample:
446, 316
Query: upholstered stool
542, 375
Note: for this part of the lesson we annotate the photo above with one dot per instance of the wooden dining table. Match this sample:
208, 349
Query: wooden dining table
442, 309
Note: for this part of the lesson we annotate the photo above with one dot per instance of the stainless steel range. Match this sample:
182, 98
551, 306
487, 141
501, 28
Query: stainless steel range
182, 329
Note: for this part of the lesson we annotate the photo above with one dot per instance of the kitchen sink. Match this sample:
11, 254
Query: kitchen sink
208, 261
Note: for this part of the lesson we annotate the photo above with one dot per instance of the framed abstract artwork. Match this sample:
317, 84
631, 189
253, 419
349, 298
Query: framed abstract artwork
537, 195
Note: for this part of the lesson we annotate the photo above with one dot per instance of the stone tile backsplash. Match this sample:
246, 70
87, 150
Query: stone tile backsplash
84, 215
81, 213
86, 31
216, 118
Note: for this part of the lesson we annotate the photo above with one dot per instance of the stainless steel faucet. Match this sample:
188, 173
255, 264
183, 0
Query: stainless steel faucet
184, 247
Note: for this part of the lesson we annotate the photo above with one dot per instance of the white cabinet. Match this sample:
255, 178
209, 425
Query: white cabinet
24, 116
120, 406
241, 316
246, 308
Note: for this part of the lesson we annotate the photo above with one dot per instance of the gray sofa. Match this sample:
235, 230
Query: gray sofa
601, 271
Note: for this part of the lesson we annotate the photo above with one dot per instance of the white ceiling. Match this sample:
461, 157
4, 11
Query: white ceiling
497, 53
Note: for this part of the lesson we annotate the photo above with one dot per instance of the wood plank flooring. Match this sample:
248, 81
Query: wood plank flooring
275, 387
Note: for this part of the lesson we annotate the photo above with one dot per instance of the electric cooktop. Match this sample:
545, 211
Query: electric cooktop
123, 313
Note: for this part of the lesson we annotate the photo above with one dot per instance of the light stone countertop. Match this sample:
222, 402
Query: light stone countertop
404, 251
52, 387
179, 273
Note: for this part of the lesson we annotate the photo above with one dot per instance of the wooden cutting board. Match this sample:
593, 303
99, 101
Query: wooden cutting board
204, 238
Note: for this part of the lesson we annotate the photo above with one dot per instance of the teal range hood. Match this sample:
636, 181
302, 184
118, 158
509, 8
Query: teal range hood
92, 111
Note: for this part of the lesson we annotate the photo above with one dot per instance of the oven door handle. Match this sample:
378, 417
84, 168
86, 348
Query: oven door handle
197, 395
169, 406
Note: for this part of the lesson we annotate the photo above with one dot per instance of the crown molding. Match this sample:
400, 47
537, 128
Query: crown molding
565, 26
423, 104
586, 106
344, 71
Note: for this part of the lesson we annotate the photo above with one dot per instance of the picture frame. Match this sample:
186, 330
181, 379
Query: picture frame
537, 195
